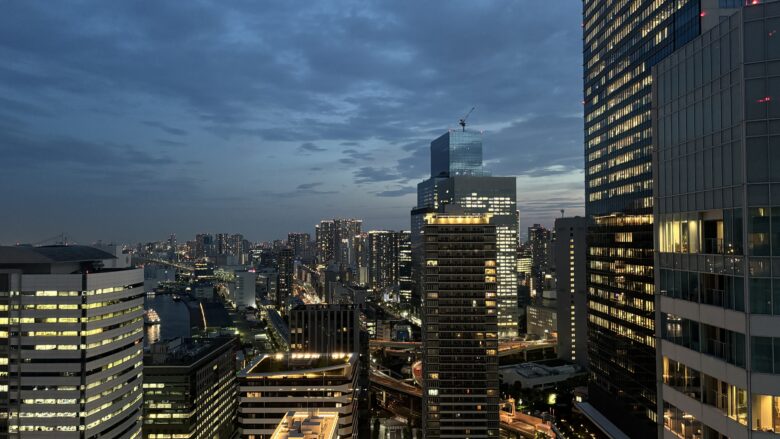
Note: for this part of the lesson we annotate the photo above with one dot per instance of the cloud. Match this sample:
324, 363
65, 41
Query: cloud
166, 128
310, 147
400, 192
307, 186
358, 155
270, 93
370, 174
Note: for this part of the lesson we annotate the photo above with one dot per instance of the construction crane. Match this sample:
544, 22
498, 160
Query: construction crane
463, 119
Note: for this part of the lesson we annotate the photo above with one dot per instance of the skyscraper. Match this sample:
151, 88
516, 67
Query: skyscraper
540, 240
457, 153
464, 184
336, 241
299, 242
382, 259
717, 218
405, 267
284, 287
622, 42
569, 253
71, 342
460, 327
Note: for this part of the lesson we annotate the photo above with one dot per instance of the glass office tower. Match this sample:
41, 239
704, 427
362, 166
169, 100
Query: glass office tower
622, 41
458, 179
717, 203
457, 153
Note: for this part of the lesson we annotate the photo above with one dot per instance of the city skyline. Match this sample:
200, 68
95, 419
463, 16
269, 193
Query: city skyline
196, 119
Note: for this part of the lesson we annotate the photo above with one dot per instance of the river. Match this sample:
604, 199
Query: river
174, 319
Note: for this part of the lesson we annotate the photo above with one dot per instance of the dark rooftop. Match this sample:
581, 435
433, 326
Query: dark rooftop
51, 254
183, 351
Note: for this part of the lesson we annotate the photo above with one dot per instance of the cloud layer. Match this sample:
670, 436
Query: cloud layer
128, 121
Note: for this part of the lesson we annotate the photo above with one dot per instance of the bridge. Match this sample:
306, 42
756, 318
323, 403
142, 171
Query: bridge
518, 350
396, 396
384, 343
177, 265
405, 400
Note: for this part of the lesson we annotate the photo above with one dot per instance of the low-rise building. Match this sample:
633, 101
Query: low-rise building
303, 424
540, 375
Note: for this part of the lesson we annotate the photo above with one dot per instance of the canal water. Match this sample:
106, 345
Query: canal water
174, 319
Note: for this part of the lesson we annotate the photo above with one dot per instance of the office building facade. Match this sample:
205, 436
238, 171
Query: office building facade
622, 41
460, 327
325, 328
245, 289
190, 388
71, 347
716, 175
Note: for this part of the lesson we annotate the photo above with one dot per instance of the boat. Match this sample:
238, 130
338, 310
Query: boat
151, 317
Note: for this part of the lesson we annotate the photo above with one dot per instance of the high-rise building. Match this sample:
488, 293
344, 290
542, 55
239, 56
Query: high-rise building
190, 388
286, 268
622, 41
457, 153
469, 187
246, 289
299, 242
71, 341
172, 248
204, 246
273, 385
336, 241
382, 259
460, 327
405, 267
716, 159
569, 253
326, 328
540, 240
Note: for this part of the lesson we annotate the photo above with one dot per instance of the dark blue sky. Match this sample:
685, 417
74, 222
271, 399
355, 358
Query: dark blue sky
127, 121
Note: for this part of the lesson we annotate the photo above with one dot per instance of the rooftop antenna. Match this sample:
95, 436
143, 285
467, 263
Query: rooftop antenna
462, 121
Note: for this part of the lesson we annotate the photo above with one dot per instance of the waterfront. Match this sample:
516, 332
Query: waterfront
174, 318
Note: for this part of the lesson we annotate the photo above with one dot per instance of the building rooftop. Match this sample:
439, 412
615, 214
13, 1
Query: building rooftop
540, 369
51, 254
303, 425
286, 364
183, 351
